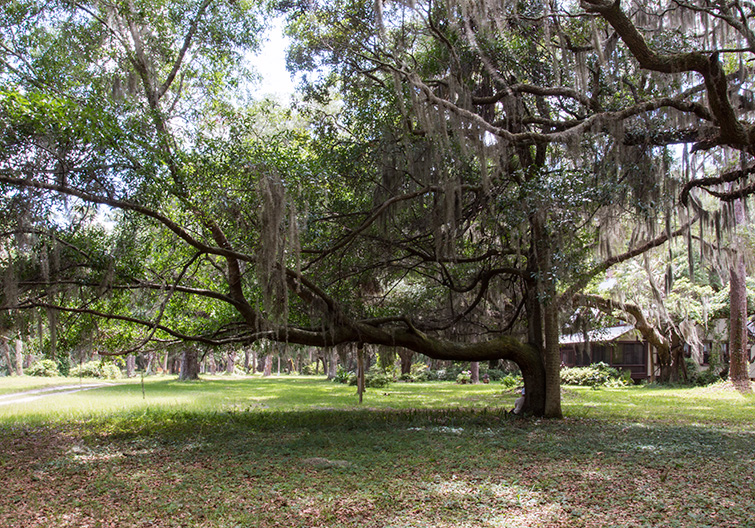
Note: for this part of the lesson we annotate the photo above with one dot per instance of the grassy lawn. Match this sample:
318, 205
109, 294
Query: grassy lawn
299, 452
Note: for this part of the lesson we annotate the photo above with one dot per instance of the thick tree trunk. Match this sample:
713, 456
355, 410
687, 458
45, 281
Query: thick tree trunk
474, 372
343, 351
230, 364
406, 356
738, 356
738, 353
547, 299
189, 365
332, 362
268, 366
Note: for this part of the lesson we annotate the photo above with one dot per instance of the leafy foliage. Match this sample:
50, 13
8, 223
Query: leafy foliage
45, 367
595, 375
96, 369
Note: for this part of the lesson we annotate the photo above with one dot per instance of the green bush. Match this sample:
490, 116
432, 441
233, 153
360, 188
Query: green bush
110, 371
312, 369
96, 369
418, 368
45, 367
464, 377
376, 378
698, 376
427, 375
342, 375
595, 375
510, 381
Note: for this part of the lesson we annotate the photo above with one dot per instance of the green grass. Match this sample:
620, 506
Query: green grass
299, 452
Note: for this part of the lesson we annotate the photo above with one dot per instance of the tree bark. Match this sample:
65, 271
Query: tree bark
19, 357
189, 365
332, 362
406, 356
738, 357
268, 366
360, 371
6, 353
552, 361
230, 362
474, 372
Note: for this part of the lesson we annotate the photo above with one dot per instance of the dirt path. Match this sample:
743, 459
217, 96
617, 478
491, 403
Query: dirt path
27, 396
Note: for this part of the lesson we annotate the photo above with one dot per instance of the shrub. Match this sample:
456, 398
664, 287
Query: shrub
376, 378
418, 368
427, 375
96, 369
110, 371
698, 376
510, 381
45, 367
312, 369
342, 375
463, 377
595, 375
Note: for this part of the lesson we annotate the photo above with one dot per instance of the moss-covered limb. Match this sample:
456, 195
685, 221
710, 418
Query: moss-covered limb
731, 131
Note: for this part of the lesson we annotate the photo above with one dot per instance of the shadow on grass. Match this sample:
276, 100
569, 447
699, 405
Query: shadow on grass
372, 467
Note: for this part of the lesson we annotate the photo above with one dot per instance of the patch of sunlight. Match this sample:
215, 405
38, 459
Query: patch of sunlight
595, 475
547, 514
498, 494
447, 488
439, 429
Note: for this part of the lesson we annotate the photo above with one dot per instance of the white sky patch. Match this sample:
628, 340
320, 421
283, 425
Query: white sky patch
270, 64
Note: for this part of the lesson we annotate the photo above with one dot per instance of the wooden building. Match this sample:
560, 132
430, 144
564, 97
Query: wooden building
621, 347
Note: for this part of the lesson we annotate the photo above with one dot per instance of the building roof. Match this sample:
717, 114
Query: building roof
600, 335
